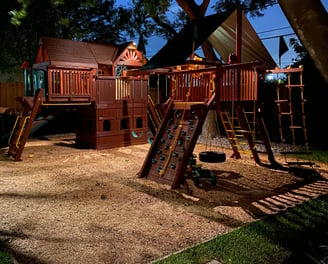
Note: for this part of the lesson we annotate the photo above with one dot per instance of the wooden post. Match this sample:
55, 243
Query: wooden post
238, 35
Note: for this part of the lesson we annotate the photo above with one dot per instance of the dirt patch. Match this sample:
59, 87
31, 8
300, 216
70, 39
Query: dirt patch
68, 205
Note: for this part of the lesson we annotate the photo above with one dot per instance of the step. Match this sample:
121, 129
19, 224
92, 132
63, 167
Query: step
244, 131
294, 85
281, 101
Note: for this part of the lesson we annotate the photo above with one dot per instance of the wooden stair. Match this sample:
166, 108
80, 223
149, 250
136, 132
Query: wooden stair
22, 128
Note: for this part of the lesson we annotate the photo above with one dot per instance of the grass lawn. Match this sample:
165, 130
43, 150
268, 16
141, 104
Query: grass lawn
298, 235
5, 258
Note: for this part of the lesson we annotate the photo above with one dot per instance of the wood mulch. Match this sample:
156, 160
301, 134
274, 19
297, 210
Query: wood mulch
67, 205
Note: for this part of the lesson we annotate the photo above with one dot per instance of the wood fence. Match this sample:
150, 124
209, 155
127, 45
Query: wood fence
8, 94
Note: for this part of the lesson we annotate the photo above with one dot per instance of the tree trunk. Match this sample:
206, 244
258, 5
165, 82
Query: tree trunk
310, 22
195, 11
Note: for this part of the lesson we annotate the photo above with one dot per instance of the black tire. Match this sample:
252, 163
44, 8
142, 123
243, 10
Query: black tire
212, 156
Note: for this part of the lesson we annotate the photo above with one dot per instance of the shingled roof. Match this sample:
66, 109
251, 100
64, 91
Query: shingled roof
77, 53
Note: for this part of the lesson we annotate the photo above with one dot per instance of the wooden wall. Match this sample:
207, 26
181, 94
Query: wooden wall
8, 94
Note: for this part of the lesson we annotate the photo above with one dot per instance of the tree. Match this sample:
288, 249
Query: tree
27, 20
145, 18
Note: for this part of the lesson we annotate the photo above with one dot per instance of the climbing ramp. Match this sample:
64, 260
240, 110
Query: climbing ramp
175, 140
183, 115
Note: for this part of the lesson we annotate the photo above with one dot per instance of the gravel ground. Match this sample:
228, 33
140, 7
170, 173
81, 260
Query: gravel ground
67, 205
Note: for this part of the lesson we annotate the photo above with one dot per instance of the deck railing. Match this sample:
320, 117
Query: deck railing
238, 83
230, 82
69, 85
197, 85
111, 88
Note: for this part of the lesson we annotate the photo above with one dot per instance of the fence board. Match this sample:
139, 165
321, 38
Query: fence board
8, 94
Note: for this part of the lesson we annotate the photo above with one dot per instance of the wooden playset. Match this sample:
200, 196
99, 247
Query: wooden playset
196, 87
111, 88
230, 90
112, 109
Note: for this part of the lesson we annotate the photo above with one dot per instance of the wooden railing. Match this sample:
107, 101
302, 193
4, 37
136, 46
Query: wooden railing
238, 82
66, 85
110, 89
198, 85
230, 82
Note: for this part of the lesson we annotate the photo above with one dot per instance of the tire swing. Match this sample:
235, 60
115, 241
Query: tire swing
212, 156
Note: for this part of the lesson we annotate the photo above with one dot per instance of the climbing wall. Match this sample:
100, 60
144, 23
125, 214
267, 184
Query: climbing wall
174, 143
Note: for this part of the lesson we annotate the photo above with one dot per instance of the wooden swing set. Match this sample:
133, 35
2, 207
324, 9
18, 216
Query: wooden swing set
231, 91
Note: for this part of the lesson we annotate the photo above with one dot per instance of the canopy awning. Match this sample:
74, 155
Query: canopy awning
220, 30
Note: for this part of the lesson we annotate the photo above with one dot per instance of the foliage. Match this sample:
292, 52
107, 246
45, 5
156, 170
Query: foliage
24, 21
145, 18
299, 50
254, 7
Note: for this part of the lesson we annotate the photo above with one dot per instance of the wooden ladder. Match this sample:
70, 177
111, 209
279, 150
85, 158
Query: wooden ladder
22, 127
153, 115
256, 134
232, 131
292, 112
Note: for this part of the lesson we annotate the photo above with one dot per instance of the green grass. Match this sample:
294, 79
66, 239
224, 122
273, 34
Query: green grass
319, 155
298, 235
316, 155
5, 257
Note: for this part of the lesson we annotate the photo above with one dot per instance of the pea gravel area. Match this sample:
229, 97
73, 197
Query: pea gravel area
63, 205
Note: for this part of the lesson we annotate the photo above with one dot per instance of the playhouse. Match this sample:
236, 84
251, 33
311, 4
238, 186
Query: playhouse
112, 109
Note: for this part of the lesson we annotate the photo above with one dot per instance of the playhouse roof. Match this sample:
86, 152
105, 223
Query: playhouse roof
77, 53
220, 31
